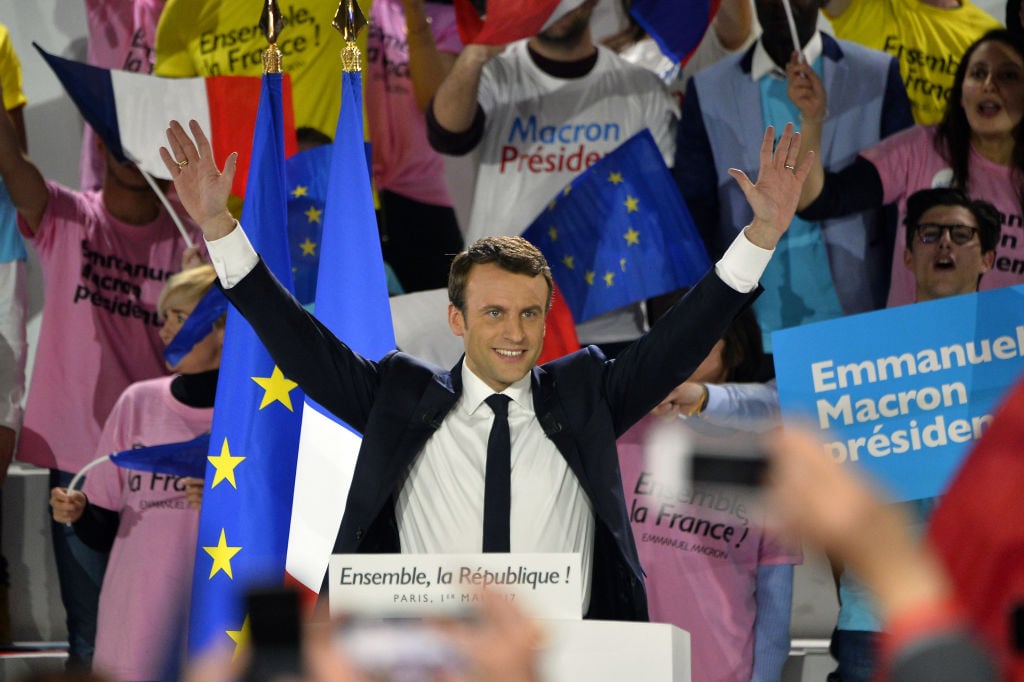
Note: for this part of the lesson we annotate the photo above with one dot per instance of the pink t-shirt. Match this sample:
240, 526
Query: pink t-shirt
403, 161
146, 590
907, 162
121, 36
101, 279
700, 549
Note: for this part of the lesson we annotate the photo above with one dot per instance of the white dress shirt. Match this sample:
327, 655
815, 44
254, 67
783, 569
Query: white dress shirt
761, 64
440, 505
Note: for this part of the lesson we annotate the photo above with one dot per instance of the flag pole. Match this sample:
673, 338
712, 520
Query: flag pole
271, 22
328, 447
792, 30
349, 20
163, 200
249, 483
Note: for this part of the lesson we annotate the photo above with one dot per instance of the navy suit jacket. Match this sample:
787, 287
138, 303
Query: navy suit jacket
582, 401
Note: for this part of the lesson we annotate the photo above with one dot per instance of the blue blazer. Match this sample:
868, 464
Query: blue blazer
722, 114
582, 401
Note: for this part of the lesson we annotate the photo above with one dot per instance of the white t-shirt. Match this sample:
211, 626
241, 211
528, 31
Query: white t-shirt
542, 131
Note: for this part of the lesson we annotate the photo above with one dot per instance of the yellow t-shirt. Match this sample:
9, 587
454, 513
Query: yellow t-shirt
927, 41
10, 73
223, 38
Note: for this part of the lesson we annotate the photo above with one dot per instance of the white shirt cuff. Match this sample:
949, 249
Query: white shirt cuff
718, 399
233, 256
742, 264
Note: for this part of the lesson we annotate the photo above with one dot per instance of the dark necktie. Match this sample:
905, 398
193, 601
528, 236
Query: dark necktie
498, 478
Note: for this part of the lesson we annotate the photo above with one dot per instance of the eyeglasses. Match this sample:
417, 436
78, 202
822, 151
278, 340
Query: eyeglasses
929, 233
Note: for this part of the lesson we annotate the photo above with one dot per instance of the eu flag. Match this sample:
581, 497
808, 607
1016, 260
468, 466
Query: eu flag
352, 301
619, 232
243, 526
307, 174
176, 459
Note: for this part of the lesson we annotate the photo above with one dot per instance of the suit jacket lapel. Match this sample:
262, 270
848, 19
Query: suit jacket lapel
434, 404
553, 421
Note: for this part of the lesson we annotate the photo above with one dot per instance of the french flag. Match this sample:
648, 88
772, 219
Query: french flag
130, 112
677, 26
352, 301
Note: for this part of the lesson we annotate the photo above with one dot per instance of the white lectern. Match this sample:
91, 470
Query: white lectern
544, 585
610, 651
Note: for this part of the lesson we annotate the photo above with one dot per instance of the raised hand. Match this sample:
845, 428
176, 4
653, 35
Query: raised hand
779, 181
806, 91
202, 188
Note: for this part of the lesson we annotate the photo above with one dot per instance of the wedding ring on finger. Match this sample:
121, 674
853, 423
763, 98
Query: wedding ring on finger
792, 168
182, 164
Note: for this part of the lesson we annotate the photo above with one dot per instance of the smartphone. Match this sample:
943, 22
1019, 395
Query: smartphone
728, 469
275, 635
700, 453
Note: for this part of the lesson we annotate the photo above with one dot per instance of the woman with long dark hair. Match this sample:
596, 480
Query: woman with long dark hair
977, 147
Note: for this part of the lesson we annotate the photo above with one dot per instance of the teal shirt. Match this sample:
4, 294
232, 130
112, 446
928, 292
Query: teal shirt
797, 284
12, 247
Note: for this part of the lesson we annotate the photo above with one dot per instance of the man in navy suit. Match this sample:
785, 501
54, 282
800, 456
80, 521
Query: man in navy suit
419, 479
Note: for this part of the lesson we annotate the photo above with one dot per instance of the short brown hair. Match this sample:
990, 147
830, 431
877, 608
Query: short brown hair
514, 254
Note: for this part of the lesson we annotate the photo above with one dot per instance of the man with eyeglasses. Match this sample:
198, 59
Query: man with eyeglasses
951, 242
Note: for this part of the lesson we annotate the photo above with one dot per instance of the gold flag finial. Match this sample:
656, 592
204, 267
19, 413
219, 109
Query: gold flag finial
271, 23
349, 20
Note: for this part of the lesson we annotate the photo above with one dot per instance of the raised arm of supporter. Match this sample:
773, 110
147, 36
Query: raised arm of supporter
748, 406
24, 182
773, 198
454, 107
686, 400
807, 92
204, 189
428, 65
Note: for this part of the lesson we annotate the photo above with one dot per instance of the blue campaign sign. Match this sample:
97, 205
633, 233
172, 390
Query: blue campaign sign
904, 393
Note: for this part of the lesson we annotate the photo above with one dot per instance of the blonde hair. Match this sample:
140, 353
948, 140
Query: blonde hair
187, 286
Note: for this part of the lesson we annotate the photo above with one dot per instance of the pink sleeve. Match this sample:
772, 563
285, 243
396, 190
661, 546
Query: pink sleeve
62, 209
898, 157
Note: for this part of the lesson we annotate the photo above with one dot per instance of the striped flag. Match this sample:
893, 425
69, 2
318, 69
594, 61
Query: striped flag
352, 301
243, 526
130, 111
497, 22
